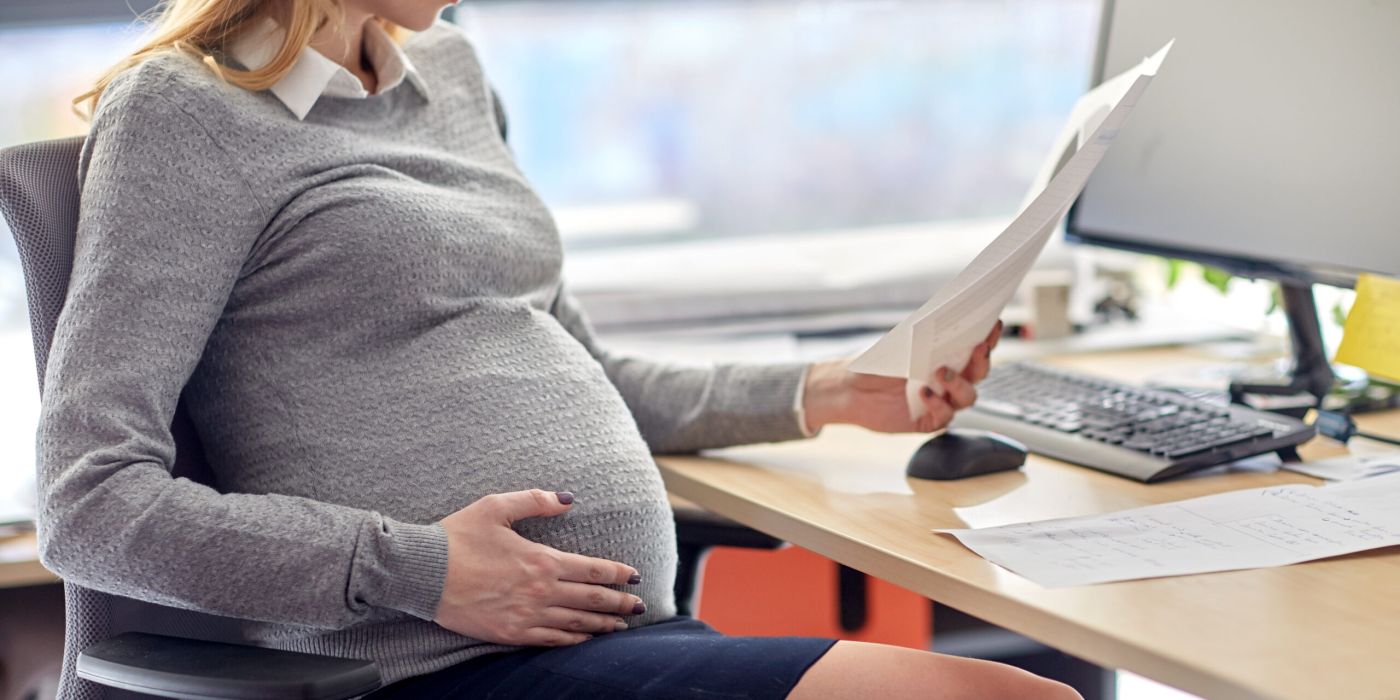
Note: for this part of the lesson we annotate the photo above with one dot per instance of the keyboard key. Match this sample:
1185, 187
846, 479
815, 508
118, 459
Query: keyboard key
1000, 408
1141, 443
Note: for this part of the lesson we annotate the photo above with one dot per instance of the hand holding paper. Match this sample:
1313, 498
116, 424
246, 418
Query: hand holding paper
833, 394
943, 332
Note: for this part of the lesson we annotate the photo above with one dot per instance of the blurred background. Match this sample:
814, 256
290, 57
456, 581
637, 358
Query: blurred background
732, 178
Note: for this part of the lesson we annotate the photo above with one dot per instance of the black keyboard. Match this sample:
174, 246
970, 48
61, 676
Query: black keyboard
1140, 433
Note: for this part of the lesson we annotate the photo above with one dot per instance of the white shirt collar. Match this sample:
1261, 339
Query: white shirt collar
314, 76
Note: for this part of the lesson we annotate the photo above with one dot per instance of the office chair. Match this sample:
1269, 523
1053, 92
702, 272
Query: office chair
118, 647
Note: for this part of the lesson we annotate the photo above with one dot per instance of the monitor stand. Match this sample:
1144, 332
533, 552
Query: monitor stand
1311, 373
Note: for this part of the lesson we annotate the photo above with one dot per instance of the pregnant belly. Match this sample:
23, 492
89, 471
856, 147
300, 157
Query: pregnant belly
447, 420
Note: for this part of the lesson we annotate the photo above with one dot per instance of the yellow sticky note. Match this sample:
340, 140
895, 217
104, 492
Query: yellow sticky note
1371, 337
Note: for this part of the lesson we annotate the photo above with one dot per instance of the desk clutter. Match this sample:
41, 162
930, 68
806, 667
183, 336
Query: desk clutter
1247, 529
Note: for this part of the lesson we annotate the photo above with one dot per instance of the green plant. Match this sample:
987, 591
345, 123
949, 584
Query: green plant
1213, 276
1220, 280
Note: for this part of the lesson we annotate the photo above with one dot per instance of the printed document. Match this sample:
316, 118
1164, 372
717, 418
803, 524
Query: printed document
1349, 467
1248, 529
943, 332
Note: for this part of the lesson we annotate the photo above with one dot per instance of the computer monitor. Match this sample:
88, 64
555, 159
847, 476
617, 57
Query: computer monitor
1269, 145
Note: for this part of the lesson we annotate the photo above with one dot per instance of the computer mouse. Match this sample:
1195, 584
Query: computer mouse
958, 454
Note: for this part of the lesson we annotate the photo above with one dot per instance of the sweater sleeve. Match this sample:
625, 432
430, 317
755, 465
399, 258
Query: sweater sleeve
165, 226
684, 408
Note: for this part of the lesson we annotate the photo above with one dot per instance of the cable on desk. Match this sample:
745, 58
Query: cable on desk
1341, 427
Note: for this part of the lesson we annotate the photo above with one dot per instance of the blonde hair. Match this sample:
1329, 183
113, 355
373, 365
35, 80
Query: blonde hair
202, 27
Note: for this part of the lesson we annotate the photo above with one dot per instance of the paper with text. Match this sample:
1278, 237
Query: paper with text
1247, 529
1349, 467
944, 331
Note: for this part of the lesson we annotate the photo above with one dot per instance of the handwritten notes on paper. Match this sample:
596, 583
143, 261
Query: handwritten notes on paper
944, 331
1371, 338
1247, 529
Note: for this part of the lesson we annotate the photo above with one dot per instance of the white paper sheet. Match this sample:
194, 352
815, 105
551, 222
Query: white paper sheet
943, 332
1247, 529
1350, 467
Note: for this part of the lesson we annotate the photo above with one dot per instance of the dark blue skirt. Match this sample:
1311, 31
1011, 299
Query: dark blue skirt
678, 658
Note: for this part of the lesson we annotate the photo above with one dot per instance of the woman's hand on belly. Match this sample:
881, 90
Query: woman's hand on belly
506, 589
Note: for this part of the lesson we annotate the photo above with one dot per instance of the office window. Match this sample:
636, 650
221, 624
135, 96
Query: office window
642, 120
42, 67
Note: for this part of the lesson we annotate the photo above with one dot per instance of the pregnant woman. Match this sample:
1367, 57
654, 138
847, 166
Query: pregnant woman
303, 210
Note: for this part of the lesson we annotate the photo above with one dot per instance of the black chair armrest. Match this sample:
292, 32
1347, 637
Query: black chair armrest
173, 667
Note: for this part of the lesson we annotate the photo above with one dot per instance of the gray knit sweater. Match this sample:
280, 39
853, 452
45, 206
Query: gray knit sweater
366, 307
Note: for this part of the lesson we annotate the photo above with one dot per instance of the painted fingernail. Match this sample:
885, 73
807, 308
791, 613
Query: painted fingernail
564, 497
634, 579
948, 374
639, 608
927, 392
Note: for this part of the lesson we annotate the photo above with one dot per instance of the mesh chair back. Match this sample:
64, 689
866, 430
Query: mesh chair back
39, 196
39, 199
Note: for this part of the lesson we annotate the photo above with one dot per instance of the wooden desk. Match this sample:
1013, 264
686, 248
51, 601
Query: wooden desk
24, 570
1327, 629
